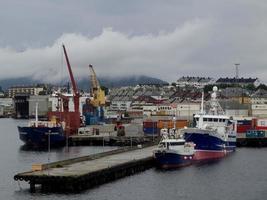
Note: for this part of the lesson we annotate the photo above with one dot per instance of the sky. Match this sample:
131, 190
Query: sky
165, 39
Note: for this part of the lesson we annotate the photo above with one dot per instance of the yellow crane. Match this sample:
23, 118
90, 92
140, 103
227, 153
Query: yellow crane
98, 94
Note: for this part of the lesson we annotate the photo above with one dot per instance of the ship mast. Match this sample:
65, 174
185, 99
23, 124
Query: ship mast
200, 122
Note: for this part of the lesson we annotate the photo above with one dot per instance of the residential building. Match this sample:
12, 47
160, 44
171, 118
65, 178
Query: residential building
29, 90
239, 81
237, 94
7, 105
198, 82
259, 103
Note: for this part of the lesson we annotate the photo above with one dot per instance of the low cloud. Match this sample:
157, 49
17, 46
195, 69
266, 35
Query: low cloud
195, 48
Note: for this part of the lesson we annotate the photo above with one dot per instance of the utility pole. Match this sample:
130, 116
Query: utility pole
236, 71
236, 80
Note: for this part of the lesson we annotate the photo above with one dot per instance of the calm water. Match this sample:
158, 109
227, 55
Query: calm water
243, 175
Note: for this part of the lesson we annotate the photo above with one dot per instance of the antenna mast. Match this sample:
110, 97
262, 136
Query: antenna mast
236, 71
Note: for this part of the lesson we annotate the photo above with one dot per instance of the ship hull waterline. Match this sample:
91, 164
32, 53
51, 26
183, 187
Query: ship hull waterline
167, 160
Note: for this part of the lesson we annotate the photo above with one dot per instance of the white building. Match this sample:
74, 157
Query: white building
198, 82
259, 103
149, 110
7, 106
31, 90
186, 110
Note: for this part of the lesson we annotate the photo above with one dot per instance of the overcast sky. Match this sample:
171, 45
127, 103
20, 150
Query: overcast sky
166, 39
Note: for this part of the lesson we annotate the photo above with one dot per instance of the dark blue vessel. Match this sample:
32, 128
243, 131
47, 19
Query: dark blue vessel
42, 133
214, 134
41, 136
173, 152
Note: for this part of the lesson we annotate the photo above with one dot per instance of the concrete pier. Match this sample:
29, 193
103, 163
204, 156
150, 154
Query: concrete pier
75, 175
251, 142
99, 140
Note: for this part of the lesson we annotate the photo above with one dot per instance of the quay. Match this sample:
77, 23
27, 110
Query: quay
78, 174
99, 140
251, 142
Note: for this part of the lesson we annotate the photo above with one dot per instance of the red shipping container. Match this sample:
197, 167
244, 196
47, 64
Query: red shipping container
243, 128
149, 124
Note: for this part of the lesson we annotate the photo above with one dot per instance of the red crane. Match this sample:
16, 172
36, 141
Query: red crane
76, 94
71, 119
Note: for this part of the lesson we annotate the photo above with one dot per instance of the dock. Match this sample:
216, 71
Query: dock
251, 142
102, 140
78, 174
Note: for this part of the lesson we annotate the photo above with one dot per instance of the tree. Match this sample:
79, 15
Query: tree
208, 88
262, 86
173, 84
250, 87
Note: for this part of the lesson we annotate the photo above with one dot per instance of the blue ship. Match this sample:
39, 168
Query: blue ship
41, 136
42, 133
173, 152
214, 134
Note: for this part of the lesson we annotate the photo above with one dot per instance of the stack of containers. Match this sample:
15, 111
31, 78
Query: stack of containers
261, 124
243, 126
255, 134
150, 128
170, 124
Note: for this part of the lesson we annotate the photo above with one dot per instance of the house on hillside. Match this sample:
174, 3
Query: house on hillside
237, 94
240, 81
198, 82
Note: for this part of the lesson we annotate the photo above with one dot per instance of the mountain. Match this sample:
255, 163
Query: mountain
84, 83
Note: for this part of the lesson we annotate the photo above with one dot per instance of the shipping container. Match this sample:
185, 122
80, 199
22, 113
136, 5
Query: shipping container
244, 122
255, 134
149, 124
169, 124
90, 119
150, 130
261, 124
243, 128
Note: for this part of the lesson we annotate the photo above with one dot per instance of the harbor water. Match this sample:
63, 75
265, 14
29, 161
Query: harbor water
241, 175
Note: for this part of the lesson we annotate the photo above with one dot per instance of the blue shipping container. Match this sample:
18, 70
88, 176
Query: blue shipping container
150, 131
255, 134
90, 120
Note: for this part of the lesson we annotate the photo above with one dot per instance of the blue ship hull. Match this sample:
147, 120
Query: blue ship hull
208, 146
39, 136
167, 160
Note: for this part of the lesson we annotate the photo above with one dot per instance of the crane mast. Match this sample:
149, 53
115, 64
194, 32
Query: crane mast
94, 81
70, 118
73, 83
97, 93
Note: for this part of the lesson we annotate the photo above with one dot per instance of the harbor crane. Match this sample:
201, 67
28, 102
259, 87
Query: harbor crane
97, 93
71, 118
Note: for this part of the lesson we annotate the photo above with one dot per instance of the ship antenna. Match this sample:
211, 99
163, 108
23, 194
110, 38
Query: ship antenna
36, 114
200, 122
202, 103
